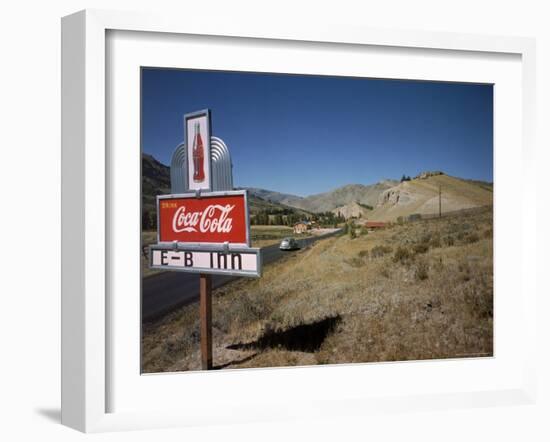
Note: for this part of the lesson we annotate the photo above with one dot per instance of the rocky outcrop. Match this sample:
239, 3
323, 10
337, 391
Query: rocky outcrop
351, 210
395, 195
328, 201
424, 195
427, 174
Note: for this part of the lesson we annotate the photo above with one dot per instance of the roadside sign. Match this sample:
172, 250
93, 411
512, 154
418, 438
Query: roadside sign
244, 261
212, 218
204, 231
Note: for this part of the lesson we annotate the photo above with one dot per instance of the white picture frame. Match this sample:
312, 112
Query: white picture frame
87, 213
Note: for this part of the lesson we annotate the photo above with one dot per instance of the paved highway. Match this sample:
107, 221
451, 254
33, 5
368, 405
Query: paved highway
163, 292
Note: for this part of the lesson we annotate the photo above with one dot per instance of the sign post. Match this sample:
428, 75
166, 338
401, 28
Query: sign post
206, 320
204, 229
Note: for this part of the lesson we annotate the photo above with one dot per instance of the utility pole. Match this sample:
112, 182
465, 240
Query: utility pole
440, 200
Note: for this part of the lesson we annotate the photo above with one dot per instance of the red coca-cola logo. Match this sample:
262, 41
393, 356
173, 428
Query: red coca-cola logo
206, 219
214, 219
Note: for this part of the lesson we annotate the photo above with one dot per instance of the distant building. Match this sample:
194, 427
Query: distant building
414, 217
302, 227
375, 225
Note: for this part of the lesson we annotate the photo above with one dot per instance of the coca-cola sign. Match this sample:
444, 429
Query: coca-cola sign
213, 218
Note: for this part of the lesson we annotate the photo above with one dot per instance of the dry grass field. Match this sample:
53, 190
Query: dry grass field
420, 290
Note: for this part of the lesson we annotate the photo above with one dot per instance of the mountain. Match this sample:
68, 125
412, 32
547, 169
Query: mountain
353, 210
258, 204
274, 197
421, 195
352, 193
156, 181
390, 199
328, 201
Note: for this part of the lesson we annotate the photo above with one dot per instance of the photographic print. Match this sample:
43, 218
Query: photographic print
299, 220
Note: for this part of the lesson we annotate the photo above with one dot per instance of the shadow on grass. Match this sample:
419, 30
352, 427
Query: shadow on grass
305, 337
239, 361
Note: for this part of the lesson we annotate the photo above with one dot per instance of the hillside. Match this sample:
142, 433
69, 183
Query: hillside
327, 201
389, 198
352, 210
421, 195
274, 197
156, 181
485, 184
416, 291
257, 204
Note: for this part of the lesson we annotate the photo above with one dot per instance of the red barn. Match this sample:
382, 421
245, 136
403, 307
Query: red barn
375, 225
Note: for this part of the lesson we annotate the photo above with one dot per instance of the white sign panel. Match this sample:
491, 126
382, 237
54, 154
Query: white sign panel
241, 262
197, 143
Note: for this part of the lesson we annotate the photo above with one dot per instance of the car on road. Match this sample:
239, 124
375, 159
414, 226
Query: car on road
289, 244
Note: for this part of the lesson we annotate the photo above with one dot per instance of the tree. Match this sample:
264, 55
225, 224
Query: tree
262, 218
352, 233
148, 220
345, 229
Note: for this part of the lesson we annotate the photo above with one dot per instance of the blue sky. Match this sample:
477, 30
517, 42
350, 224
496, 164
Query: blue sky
310, 134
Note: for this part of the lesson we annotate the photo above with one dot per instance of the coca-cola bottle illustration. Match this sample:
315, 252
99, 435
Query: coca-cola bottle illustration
198, 155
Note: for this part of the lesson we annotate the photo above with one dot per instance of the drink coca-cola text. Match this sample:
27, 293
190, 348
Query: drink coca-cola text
204, 219
213, 219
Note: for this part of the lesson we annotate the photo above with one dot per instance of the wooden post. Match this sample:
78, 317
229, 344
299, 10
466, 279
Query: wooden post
206, 320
